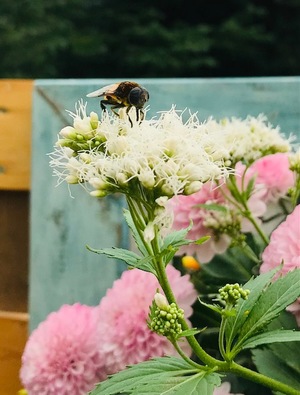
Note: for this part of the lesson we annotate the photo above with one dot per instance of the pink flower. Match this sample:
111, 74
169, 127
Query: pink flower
62, 354
274, 175
125, 336
185, 209
294, 308
285, 246
224, 389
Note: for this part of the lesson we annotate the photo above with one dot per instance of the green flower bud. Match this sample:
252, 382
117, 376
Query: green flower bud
231, 293
164, 318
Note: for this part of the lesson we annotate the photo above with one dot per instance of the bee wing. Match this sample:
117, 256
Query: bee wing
103, 91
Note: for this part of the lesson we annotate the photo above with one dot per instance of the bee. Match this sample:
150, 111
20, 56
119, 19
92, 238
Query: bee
123, 94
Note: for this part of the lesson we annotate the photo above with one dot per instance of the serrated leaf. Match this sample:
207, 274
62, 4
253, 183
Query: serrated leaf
177, 238
249, 189
231, 185
243, 307
135, 234
289, 352
275, 298
174, 240
213, 307
190, 332
272, 337
272, 366
129, 257
160, 376
168, 254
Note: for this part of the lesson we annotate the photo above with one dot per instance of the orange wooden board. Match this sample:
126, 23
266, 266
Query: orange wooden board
15, 132
13, 336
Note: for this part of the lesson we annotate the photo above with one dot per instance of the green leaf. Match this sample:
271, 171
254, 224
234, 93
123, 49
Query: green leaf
129, 257
190, 332
279, 367
272, 337
213, 307
289, 352
160, 376
173, 241
275, 298
202, 240
249, 189
243, 307
177, 238
235, 192
135, 234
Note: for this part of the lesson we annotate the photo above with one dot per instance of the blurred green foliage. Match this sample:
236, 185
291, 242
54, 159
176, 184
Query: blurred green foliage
101, 38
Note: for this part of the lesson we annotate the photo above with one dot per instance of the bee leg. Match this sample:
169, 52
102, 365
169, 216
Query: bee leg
127, 112
113, 108
137, 113
142, 115
102, 102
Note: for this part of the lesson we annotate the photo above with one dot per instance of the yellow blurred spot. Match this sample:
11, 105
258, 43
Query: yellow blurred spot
190, 263
22, 392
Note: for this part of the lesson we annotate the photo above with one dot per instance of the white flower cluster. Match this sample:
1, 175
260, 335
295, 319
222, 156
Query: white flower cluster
253, 138
164, 156
161, 157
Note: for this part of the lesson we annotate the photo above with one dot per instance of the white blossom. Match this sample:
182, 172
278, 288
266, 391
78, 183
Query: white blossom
166, 154
253, 138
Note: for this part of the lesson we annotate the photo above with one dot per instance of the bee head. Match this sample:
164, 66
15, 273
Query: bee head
138, 97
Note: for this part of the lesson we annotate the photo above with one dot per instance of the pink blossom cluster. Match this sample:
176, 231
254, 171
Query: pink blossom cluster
273, 178
284, 247
79, 345
187, 209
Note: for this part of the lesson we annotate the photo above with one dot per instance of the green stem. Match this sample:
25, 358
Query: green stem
221, 365
140, 220
259, 378
185, 357
296, 191
164, 283
249, 216
246, 212
221, 337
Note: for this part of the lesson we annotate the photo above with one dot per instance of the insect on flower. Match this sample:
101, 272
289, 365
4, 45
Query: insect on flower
123, 94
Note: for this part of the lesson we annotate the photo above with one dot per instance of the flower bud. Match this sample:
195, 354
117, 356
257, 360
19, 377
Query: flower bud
98, 183
147, 178
99, 193
161, 301
71, 179
94, 120
231, 293
68, 132
193, 187
149, 233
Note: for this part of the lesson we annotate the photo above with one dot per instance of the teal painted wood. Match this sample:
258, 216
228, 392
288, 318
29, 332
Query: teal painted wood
61, 269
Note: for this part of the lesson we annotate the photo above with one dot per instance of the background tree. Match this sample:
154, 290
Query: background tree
101, 38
